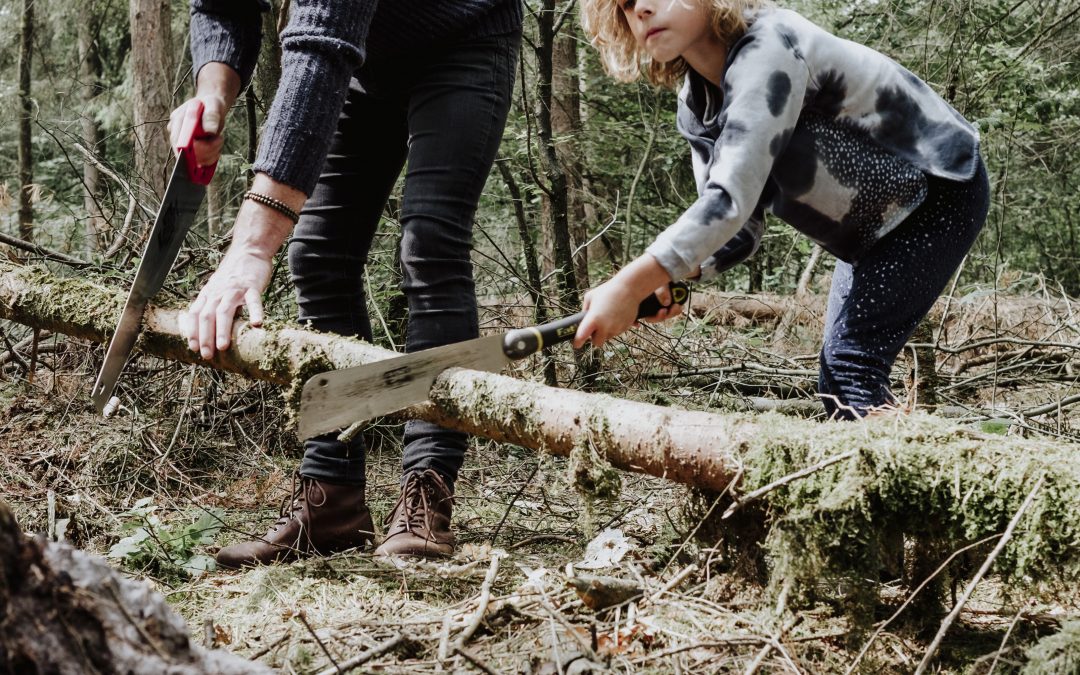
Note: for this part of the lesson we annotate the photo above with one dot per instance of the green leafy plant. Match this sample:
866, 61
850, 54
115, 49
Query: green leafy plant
168, 549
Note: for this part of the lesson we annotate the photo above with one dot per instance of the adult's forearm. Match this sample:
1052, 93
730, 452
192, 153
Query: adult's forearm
321, 48
266, 229
228, 32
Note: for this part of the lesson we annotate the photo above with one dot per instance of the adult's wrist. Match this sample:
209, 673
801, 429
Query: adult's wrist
261, 229
291, 197
218, 79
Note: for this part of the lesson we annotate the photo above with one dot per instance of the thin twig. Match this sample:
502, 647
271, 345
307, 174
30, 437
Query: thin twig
557, 616
482, 603
110, 586
910, 598
977, 578
361, 659
675, 581
473, 659
303, 619
757, 494
1005, 641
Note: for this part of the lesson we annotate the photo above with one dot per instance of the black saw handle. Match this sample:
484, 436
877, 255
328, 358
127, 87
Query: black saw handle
524, 342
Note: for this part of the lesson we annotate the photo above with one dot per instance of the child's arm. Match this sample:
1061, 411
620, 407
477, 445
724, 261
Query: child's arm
611, 307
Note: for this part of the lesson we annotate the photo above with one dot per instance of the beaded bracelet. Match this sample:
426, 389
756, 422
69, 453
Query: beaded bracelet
276, 204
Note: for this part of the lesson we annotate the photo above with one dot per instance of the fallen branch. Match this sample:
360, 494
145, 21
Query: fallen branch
978, 577
361, 659
38, 249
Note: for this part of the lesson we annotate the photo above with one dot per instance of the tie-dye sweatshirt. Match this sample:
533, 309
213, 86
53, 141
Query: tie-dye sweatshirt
830, 136
323, 46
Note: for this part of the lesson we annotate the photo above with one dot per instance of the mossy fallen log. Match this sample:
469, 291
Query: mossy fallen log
64, 611
922, 477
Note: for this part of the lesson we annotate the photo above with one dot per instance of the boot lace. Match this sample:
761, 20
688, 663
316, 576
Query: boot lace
415, 501
303, 492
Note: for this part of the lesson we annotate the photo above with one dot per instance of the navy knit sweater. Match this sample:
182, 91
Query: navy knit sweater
325, 43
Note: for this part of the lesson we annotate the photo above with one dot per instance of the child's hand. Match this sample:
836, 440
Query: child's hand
610, 309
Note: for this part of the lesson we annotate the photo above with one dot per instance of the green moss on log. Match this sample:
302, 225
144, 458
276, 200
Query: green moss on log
62, 302
939, 484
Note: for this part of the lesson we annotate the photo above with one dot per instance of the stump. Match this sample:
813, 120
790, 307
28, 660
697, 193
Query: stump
64, 611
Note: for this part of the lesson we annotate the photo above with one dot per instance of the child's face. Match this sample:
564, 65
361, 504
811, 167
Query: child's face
667, 29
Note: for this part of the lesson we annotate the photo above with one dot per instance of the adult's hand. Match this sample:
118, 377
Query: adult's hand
238, 282
244, 272
217, 87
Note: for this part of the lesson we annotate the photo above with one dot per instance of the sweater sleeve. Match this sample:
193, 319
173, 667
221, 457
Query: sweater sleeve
320, 49
764, 89
228, 31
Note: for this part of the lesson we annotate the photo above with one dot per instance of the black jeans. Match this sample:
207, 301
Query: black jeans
876, 303
442, 112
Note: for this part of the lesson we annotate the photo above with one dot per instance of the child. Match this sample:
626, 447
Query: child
832, 137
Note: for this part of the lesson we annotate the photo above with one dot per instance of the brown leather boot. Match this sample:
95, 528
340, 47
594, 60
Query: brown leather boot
318, 519
419, 525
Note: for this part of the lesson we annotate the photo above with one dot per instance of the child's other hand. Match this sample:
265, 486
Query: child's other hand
610, 309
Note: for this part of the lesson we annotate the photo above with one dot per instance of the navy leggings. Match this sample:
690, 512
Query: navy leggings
442, 113
876, 303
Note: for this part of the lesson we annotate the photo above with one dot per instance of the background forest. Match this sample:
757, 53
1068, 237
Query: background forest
588, 173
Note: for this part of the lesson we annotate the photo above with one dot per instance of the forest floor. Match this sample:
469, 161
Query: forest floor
195, 459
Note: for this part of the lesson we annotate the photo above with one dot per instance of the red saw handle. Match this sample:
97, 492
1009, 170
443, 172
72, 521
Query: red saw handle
191, 129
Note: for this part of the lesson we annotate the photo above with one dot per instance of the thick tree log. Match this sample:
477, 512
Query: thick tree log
64, 611
688, 447
695, 448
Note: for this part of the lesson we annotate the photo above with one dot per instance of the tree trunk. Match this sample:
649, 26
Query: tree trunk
528, 251
64, 611
566, 128
214, 206
556, 221
90, 75
268, 72
26, 105
151, 77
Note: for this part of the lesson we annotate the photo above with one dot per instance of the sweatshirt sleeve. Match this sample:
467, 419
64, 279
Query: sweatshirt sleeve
764, 88
228, 31
321, 48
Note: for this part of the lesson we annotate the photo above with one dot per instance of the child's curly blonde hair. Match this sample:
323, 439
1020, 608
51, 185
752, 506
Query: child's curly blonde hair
606, 26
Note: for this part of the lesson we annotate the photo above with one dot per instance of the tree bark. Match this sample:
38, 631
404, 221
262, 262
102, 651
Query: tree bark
528, 251
566, 128
556, 221
151, 77
90, 76
64, 611
26, 114
268, 72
